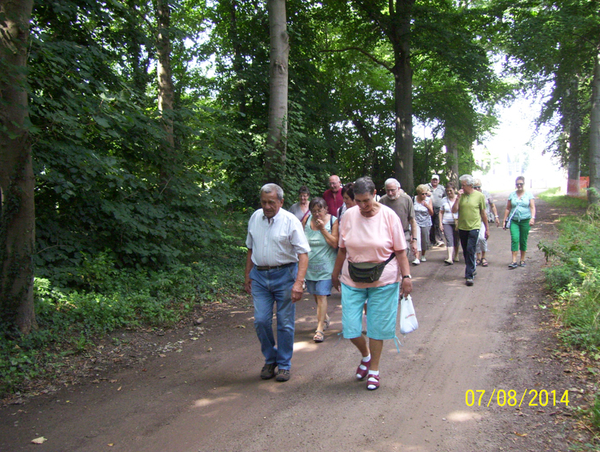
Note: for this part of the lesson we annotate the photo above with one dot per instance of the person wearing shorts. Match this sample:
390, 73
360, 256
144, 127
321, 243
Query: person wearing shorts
371, 234
321, 231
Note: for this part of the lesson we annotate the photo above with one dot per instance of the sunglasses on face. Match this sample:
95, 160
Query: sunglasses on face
519, 185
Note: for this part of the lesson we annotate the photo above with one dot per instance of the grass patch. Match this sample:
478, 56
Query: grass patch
556, 198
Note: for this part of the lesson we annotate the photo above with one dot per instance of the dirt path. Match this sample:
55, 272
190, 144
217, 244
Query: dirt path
199, 390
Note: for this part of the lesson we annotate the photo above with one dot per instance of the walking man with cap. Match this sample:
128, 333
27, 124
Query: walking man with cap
438, 193
276, 265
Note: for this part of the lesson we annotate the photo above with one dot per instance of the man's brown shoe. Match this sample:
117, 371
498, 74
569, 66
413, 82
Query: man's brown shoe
283, 375
268, 371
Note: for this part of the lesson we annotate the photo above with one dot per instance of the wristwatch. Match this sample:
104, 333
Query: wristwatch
406, 276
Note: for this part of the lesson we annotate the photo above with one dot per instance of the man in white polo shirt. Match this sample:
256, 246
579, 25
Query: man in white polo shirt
276, 264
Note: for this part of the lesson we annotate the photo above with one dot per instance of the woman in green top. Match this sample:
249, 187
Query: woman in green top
321, 230
520, 213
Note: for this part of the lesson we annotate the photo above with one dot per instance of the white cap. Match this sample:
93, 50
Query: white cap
435, 176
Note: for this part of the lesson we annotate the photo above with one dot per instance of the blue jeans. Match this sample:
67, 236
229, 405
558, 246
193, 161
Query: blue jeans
468, 240
270, 287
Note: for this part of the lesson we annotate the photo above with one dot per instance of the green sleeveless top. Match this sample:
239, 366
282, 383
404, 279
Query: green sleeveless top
321, 257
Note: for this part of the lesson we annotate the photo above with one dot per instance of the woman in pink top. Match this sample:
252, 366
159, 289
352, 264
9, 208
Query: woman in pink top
371, 232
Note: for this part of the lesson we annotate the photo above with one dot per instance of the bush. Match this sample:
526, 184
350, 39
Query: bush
84, 303
578, 241
580, 310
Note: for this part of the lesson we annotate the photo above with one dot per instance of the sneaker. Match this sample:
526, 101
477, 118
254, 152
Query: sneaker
423, 259
448, 262
416, 262
513, 265
440, 243
268, 371
283, 375
469, 281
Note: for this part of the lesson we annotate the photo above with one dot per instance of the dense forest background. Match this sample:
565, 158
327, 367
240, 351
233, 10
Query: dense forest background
146, 123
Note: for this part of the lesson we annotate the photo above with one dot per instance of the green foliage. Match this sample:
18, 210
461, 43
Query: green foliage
595, 411
106, 299
574, 275
578, 241
580, 310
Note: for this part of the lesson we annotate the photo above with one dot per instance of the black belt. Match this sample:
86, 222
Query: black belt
265, 268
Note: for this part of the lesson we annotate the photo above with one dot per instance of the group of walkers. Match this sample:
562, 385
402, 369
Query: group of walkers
358, 243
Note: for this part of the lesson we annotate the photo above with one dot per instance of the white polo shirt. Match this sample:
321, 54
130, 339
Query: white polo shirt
277, 241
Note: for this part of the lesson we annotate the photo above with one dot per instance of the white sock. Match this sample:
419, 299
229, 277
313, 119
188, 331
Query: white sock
366, 359
373, 372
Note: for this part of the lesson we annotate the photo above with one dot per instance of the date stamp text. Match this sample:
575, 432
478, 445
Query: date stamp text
513, 398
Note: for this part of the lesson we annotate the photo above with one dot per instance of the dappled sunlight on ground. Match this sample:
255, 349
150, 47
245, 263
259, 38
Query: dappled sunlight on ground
463, 416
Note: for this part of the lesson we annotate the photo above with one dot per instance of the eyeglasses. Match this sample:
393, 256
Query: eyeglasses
519, 185
476, 187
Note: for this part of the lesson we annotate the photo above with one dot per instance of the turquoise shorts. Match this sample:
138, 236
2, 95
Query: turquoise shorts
382, 311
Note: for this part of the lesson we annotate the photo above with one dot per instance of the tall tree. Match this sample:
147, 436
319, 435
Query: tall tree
17, 218
394, 22
556, 43
165, 82
275, 154
595, 134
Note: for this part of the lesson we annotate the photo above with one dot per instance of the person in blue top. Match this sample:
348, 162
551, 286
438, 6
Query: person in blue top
321, 230
520, 214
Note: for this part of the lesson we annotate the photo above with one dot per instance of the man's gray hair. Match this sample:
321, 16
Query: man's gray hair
391, 180
269, 188
364, 185
467, 179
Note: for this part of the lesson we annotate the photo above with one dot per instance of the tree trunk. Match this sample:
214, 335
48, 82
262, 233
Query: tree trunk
452, 159
166, 89
594, 192
573, 115
17, 231
278, 89
403, 154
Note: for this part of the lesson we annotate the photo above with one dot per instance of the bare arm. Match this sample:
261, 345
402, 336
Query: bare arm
330, 237
532, 208
429, 205
405, 283
414, 230
297, 288
495, 211
337, 268
457, 201
484, 218
507, 211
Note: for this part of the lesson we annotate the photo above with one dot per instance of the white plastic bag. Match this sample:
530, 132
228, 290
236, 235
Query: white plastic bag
408, 319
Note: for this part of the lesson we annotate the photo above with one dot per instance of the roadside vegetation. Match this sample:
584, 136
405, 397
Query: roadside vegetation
573, 276
77, 306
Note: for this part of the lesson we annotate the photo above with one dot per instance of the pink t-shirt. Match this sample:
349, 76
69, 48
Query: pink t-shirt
371, 240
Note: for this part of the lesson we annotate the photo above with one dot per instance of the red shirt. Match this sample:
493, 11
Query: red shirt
334, 201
